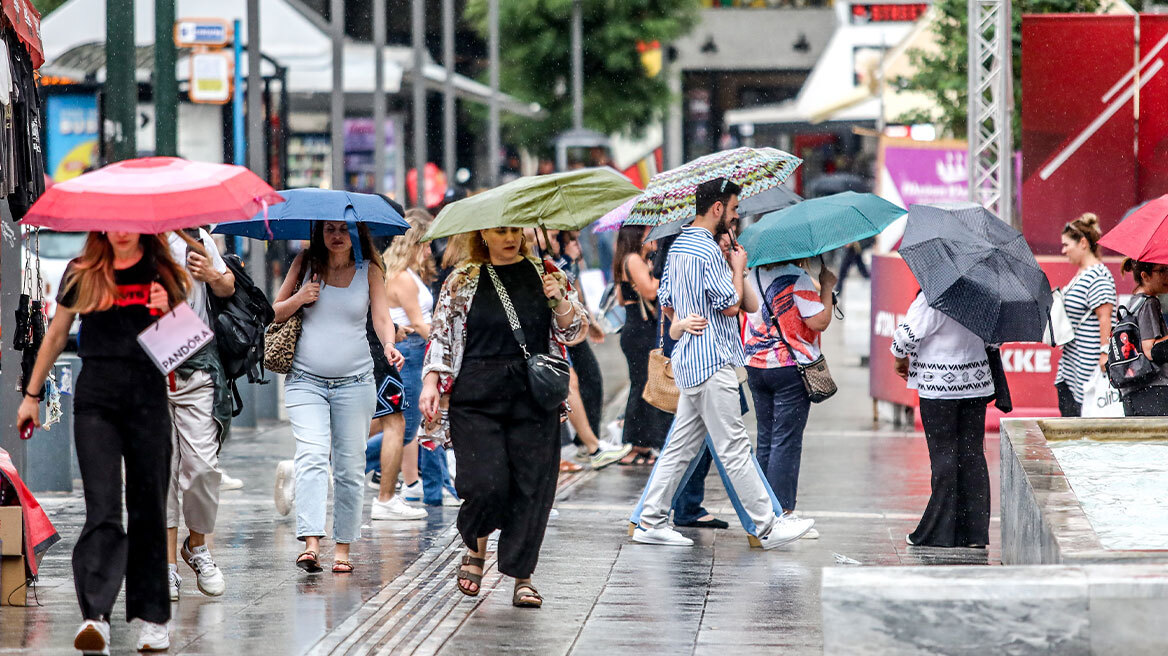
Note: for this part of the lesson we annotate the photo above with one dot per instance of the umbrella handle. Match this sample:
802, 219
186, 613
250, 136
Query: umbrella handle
192, 243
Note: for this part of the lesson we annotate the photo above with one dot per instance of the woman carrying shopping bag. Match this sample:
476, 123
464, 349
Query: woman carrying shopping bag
1090, 300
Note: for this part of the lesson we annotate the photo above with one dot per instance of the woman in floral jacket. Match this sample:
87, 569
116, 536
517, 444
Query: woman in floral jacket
506, 445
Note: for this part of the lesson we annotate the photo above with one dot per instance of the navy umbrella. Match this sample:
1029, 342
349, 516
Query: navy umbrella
293, 218
977, 270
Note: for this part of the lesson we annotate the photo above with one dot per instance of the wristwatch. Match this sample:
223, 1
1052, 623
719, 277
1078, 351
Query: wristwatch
1104, 349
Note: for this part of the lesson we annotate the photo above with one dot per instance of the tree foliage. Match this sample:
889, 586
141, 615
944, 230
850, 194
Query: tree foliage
944, 76
536, 62
46, 6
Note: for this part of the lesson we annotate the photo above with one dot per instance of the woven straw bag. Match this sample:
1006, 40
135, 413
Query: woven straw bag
661, 389
280, 344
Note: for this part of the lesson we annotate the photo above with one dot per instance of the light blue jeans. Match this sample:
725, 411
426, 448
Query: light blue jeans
330, 416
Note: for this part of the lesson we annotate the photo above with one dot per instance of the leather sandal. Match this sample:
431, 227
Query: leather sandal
463, 575
309, 561
342, 567
526, 596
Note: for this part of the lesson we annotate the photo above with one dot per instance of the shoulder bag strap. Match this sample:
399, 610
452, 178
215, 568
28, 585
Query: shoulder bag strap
774, 322
512, 318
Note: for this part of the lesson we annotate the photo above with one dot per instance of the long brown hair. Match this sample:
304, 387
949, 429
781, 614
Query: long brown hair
405, 251
317, 256
629, 240
91, 279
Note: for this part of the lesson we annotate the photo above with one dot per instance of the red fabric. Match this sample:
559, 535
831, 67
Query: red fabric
1143, 235
39, 533
26, 20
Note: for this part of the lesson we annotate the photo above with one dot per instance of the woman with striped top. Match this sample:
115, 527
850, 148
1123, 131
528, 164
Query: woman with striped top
1090, 299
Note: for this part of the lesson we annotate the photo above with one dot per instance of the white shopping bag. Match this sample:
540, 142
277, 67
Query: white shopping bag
1100, 399
175, 337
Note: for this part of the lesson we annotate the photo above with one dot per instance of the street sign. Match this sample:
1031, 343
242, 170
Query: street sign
210, 77
201, 32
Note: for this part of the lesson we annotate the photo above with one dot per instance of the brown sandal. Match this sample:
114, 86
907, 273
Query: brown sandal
463, 575
521, 599
309, 561
342, 567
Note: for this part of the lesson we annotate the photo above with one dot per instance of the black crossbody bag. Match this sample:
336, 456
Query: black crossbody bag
548, 376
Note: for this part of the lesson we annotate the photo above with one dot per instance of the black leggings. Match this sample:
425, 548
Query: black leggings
591, 383
121, 413
958, 514
645, 426
508, 452
1151, 401
1068, 406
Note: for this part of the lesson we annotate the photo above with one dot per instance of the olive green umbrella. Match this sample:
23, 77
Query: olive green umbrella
559, 201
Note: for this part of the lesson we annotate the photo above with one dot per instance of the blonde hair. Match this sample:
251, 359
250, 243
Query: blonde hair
476, 248
91, 278
405, 251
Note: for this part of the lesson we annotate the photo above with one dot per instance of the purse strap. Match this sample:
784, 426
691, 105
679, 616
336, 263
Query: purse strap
774, 322
512, 318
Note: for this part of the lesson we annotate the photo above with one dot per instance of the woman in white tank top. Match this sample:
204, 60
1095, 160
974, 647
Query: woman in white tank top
409, 264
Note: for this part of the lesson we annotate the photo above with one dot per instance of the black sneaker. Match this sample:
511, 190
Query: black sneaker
375, 481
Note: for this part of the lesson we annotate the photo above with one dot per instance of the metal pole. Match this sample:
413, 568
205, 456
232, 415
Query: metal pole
674, 135
379, 29
449, 155
493, 106
165, 84
238, 136
121, 87
577, 65
418, 22
337, 106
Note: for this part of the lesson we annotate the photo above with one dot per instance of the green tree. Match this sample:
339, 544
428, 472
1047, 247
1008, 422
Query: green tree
944, 75
536, 62
47, 6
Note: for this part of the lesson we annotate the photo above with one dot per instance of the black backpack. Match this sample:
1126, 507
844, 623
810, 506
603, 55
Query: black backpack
1127, 366
239, 322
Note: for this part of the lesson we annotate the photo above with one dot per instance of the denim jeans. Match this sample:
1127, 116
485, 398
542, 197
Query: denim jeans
782, 404
687, 505
431, 464
329, 415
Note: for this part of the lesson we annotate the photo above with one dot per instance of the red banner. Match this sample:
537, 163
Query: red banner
26, 20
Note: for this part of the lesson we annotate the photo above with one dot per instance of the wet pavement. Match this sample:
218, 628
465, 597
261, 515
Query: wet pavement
865, 487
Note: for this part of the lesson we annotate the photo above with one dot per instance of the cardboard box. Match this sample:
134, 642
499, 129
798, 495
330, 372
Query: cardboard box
11, 531
13, 591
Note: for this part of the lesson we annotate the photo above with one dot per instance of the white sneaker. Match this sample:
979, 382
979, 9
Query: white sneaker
449, 499
413, 491
174, 580
207, 575
450, 464
396, 510
229, 482
663, 536
813, 534
786, 529
93, 638
553, 514
154, 637
285, 486
608, 454
614, 430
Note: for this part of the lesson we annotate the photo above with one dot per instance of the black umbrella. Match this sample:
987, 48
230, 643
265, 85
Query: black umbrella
977, 270
830, 184
750, 209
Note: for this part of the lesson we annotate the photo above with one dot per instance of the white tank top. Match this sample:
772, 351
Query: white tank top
425, 301
332, 342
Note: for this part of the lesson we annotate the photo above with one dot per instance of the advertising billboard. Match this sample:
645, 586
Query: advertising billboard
71, 134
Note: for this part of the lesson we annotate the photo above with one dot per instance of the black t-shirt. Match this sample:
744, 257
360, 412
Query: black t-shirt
113, 333
488, 333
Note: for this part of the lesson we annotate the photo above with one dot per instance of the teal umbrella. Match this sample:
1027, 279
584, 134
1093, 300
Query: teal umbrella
817, 226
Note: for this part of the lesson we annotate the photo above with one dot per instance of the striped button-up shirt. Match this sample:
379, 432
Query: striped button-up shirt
697, 280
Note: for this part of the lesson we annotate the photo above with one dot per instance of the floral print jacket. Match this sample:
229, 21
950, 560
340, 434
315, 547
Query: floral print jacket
448, 335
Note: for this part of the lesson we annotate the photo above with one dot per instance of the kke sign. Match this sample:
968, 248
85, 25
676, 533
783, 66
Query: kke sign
201, 32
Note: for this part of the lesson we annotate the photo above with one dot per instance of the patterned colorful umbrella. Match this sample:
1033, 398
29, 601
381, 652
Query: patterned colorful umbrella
152, 195
616, 218
670, 195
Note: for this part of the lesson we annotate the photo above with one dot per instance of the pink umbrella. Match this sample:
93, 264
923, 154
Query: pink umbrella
152, 195
616, 218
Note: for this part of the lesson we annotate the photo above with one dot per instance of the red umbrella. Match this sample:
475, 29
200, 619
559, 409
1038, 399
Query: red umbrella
1143, 235
435, 181
152, 195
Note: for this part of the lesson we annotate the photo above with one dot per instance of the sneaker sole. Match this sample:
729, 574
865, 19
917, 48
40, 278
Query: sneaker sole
661, 543
90, 641
162, 647
210, 593
612, 457
174, 596
768, 544
397, 518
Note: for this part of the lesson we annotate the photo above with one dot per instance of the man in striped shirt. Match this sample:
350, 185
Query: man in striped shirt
698, 280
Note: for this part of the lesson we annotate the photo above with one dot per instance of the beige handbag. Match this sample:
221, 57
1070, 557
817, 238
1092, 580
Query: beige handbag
661, 390
280, 341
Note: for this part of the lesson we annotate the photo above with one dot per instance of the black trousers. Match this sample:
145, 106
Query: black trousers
120, 414
958, 513
508, 452
1151, 401
591, 383
1068, 406
645, 426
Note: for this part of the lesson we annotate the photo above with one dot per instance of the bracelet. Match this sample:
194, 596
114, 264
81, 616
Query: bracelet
40, 396
565, 313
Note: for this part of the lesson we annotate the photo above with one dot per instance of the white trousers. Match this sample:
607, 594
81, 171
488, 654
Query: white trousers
194, 467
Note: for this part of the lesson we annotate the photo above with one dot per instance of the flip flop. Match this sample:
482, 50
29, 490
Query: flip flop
309, 561
342, 567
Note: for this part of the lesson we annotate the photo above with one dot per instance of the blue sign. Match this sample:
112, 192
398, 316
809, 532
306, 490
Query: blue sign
190, 33
71, 134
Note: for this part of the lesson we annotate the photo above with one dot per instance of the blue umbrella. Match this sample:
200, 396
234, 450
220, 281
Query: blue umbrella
293, 218
817, 226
